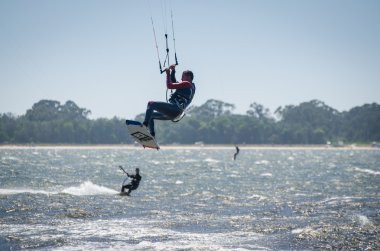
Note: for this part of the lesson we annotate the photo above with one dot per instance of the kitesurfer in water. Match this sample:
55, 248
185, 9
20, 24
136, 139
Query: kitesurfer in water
134, 184
237, 152
178, 101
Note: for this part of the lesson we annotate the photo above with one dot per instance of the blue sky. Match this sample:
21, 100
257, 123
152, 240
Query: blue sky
101, 54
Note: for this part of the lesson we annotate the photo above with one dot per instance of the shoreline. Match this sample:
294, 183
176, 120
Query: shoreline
186, 146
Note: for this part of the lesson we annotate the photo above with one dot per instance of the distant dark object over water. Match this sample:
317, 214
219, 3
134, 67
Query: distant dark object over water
237, 152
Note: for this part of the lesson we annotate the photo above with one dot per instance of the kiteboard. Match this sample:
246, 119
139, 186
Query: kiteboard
140, 133
123, 194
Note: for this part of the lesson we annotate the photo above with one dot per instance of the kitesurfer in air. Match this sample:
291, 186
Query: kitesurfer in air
179, 100
134, 184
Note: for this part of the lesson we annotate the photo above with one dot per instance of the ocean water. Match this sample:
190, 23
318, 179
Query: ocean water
66, 198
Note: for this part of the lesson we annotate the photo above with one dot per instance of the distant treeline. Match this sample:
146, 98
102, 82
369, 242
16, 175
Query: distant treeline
213, 122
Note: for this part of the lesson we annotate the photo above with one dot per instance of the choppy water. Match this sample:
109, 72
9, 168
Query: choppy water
189, 199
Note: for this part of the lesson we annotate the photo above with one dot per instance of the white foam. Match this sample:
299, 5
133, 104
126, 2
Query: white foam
88, 188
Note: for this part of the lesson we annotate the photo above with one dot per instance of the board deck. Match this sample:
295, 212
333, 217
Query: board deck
141, 134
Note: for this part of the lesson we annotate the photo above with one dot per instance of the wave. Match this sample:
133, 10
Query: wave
86, 188
362, 220
134, 234
338, 200
24, 190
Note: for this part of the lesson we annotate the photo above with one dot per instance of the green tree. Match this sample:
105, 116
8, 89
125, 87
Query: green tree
362, 124
213, 122
44, 110
310, 122
213, 108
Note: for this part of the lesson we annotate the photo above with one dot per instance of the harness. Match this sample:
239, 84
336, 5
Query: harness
182, 100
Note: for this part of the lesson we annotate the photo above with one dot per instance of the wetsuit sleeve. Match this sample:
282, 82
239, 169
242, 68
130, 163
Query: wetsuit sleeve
180, 85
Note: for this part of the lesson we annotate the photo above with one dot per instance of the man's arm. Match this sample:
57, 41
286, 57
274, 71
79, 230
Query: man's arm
172, 76
175, 85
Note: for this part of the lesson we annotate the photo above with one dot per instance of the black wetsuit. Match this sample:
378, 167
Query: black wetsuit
178, 102
134, 183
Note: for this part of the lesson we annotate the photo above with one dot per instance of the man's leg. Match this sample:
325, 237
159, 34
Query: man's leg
148, 113
130, 189
165, 111
125, 187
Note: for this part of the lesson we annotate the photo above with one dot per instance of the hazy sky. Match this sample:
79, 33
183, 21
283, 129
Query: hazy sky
102, 56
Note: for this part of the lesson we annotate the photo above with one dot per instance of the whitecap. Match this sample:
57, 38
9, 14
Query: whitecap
307, 231
297, 231
210, 160
362, 170
262, 162
266, 175
189, 160
257, 197
4, 158
363, 220
217, 170
179, 182
337, 200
